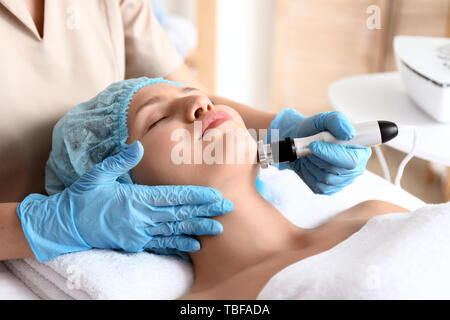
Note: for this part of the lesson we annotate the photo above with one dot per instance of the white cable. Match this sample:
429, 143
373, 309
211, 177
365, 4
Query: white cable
408, 157
383, 163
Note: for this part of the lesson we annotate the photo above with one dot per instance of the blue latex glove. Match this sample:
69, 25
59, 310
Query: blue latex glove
331, 166
98, 212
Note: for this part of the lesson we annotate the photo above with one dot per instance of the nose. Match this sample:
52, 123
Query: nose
197, 107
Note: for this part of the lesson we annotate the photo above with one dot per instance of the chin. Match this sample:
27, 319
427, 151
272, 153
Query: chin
237, 146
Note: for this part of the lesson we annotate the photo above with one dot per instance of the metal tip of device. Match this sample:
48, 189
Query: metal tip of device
264, 154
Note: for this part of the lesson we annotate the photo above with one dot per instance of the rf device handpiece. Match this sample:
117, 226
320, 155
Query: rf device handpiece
368, 134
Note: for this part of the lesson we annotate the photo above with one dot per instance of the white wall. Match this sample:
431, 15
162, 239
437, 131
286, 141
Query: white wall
244, 38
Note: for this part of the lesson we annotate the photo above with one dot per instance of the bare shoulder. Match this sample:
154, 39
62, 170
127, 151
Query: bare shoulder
370, 208
348, 222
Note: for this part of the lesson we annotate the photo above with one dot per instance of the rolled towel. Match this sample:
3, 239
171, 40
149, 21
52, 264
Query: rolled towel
106, 274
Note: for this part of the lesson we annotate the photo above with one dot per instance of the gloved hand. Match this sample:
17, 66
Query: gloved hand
331, 166
98, 212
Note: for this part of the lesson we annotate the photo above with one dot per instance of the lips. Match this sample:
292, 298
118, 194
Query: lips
214, 119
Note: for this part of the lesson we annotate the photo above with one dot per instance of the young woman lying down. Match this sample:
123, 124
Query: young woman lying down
189, 141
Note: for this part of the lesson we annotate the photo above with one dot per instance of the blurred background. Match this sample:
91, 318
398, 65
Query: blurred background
273, 54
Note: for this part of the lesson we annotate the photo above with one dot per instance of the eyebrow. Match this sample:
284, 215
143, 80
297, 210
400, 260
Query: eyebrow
148, 102
189, 89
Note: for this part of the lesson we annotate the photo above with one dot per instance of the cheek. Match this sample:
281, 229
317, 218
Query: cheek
146, 172
156, 166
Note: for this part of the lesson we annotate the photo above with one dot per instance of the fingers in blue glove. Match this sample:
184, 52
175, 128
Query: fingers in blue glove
322, 164
112, 167
194, 226
179, 195
319, 187
335, 122
178, 213
322, 175
182, 243
340, 155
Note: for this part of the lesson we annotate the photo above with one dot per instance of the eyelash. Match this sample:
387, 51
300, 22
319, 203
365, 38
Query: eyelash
155, 123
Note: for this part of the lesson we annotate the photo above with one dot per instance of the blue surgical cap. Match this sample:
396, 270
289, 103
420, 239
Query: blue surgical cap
90, 132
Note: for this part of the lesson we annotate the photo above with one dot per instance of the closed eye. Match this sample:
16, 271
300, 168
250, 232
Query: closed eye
155, 123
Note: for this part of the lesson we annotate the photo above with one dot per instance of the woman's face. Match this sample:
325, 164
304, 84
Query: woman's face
187, 140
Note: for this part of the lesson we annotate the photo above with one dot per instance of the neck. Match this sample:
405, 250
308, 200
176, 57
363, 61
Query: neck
253, 232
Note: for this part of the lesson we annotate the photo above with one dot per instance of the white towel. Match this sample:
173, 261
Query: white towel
394, 256
105, 274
